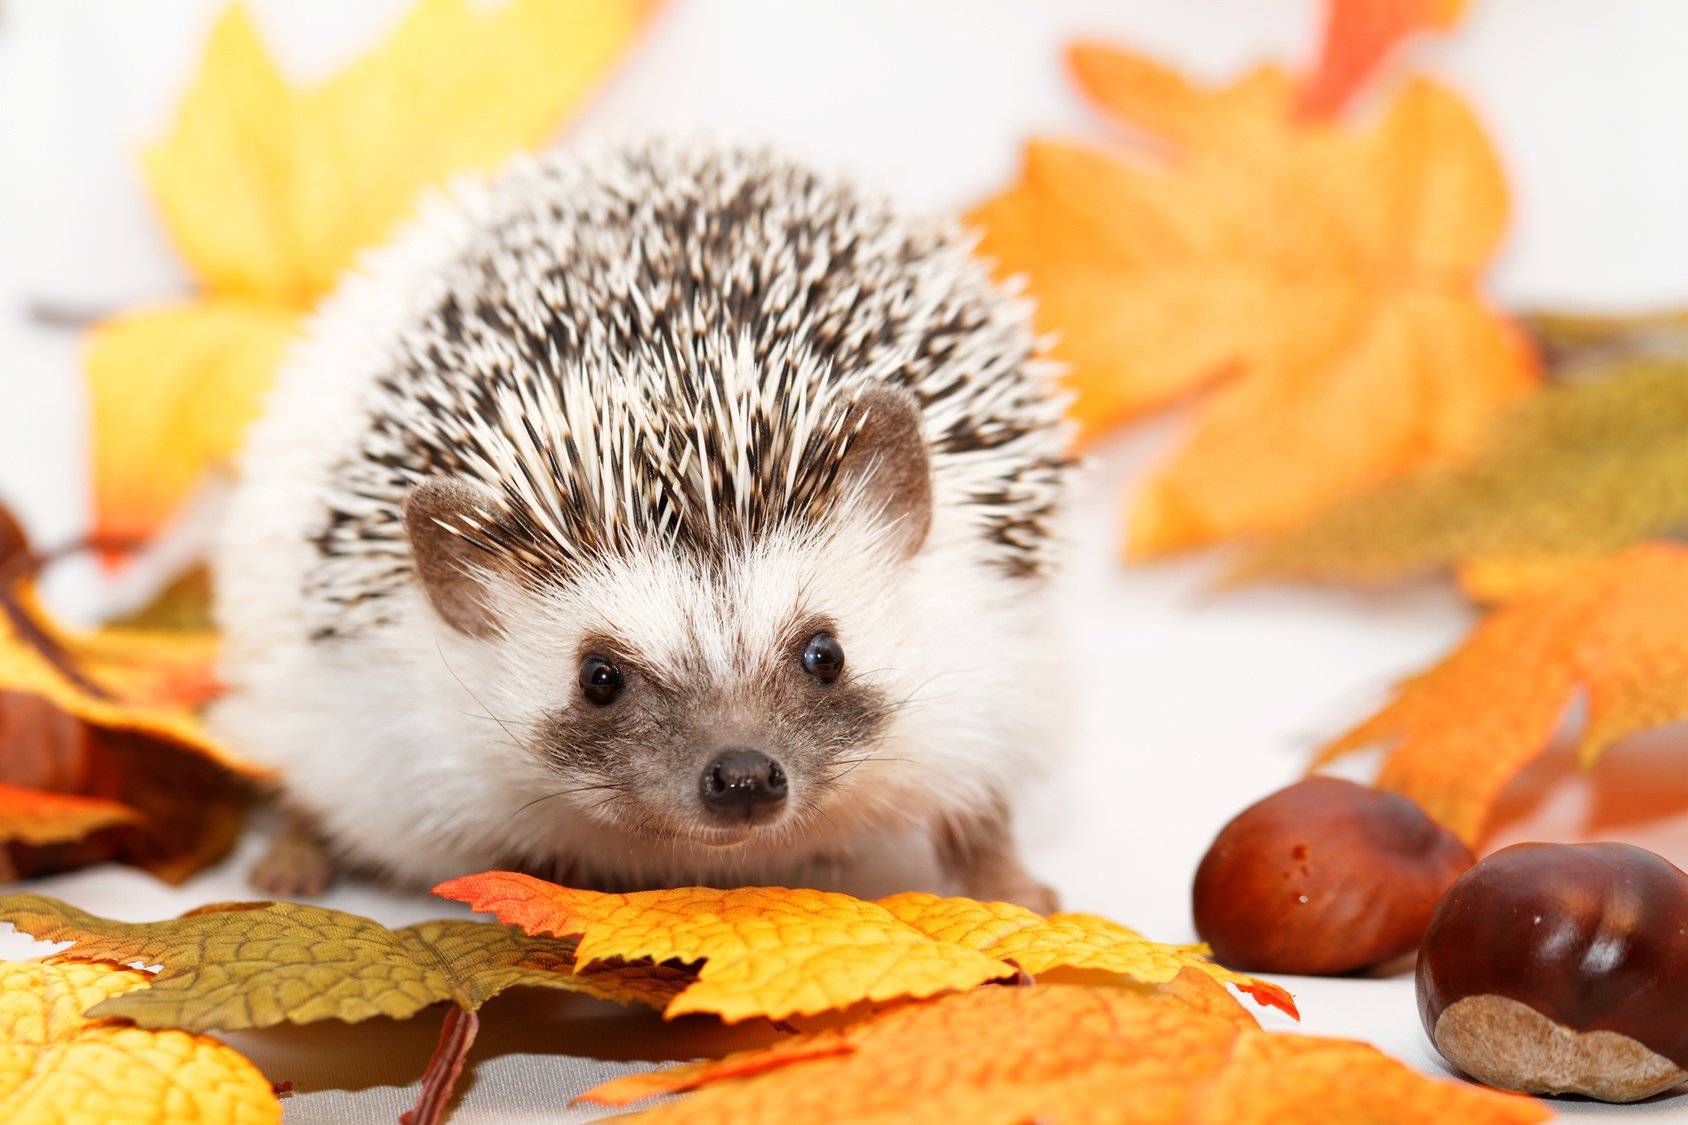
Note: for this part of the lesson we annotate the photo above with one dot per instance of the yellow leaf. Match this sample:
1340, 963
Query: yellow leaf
1318, 285
270, 191
1079, 941
778, 952
171, 391
57, 1066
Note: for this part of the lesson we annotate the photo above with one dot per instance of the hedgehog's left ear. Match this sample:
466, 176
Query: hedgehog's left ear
449, 568
889, 466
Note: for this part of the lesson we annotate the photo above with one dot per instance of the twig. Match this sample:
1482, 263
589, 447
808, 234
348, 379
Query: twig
23, 565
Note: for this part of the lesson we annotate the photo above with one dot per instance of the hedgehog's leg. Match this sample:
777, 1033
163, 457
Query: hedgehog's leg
978, 850
297, 863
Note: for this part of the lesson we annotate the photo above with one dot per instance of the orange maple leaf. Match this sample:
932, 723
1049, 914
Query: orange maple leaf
1318, 283
33, 816
1359, 36
1617, 630
57, 1065
1059, 1053
101, 754
270, 191
778, 952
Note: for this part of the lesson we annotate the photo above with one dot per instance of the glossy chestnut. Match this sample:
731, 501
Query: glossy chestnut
1562, 968
1323, 877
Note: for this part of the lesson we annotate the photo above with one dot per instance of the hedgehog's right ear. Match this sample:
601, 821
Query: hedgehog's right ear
889, 466
450, 569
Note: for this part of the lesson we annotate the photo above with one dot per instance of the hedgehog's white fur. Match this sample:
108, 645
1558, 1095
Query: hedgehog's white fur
403, 736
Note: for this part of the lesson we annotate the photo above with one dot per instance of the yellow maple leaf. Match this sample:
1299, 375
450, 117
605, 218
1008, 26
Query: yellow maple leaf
1459, 732
1060, 1053
1079, 941
1318, 283
270, 191
57, 1065
778, 952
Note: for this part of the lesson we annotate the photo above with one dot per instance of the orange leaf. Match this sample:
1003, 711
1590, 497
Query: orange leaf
56, 1065
1617, 629
1317, 284
1060, 1053
770, 951
37, 817
271, 190
103, 723
1359, 36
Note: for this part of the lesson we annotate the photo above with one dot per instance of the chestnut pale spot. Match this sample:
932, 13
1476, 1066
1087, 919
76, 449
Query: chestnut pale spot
1586, 938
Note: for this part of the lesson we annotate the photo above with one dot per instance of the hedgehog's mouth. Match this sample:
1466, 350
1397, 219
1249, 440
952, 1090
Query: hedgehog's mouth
717, 837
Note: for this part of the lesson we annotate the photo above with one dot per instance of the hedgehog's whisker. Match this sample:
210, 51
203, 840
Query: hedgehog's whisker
616, 790
502, 725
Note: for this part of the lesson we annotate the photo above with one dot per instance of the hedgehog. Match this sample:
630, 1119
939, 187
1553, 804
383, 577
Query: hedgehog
659, 514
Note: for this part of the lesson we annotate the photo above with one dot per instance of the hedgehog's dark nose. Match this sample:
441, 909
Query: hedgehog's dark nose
743, 785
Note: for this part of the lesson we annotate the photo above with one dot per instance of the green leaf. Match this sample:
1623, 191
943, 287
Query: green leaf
1576, 472
245, 965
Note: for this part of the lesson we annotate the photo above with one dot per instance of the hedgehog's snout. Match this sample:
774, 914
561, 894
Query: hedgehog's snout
743, 786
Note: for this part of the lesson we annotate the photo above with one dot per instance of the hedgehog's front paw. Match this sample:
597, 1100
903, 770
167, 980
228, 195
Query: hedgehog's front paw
1015, 885
297, 864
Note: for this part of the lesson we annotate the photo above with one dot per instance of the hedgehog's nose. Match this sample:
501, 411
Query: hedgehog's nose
743, 785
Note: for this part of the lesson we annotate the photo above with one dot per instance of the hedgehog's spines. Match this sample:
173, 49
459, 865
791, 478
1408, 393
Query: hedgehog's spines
661, 347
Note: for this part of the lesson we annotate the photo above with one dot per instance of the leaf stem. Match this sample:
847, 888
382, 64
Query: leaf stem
22, 565
457, 1035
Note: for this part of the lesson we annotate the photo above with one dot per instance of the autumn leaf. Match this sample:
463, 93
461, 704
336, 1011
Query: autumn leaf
1616, 631
1079, 941
1568, 340
1317, 285
1359, 36
269, 192
1572, 474
101, 754
58, 1066
235, 966
1060, 1053
37, 817
182, 606
779, 952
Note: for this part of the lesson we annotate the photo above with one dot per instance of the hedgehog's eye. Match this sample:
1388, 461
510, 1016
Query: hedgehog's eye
600, 681
823, 657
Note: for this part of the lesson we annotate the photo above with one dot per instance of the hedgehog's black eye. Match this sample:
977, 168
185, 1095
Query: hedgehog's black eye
823, 657
600, 681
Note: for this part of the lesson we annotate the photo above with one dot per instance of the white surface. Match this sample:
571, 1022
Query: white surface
1191, 706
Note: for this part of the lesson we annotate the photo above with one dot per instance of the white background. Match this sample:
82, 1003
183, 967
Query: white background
1190, 705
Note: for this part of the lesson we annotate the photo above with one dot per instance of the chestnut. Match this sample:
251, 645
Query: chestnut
1323, 877
1562, 968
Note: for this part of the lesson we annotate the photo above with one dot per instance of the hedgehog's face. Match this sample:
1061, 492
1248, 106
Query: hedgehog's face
710, 707
713, 697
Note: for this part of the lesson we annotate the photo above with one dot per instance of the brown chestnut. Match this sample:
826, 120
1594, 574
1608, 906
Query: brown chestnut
1562, 968
1323, 877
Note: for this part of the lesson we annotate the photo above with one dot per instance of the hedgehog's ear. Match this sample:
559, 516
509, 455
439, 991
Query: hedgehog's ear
889, 466
450, 569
